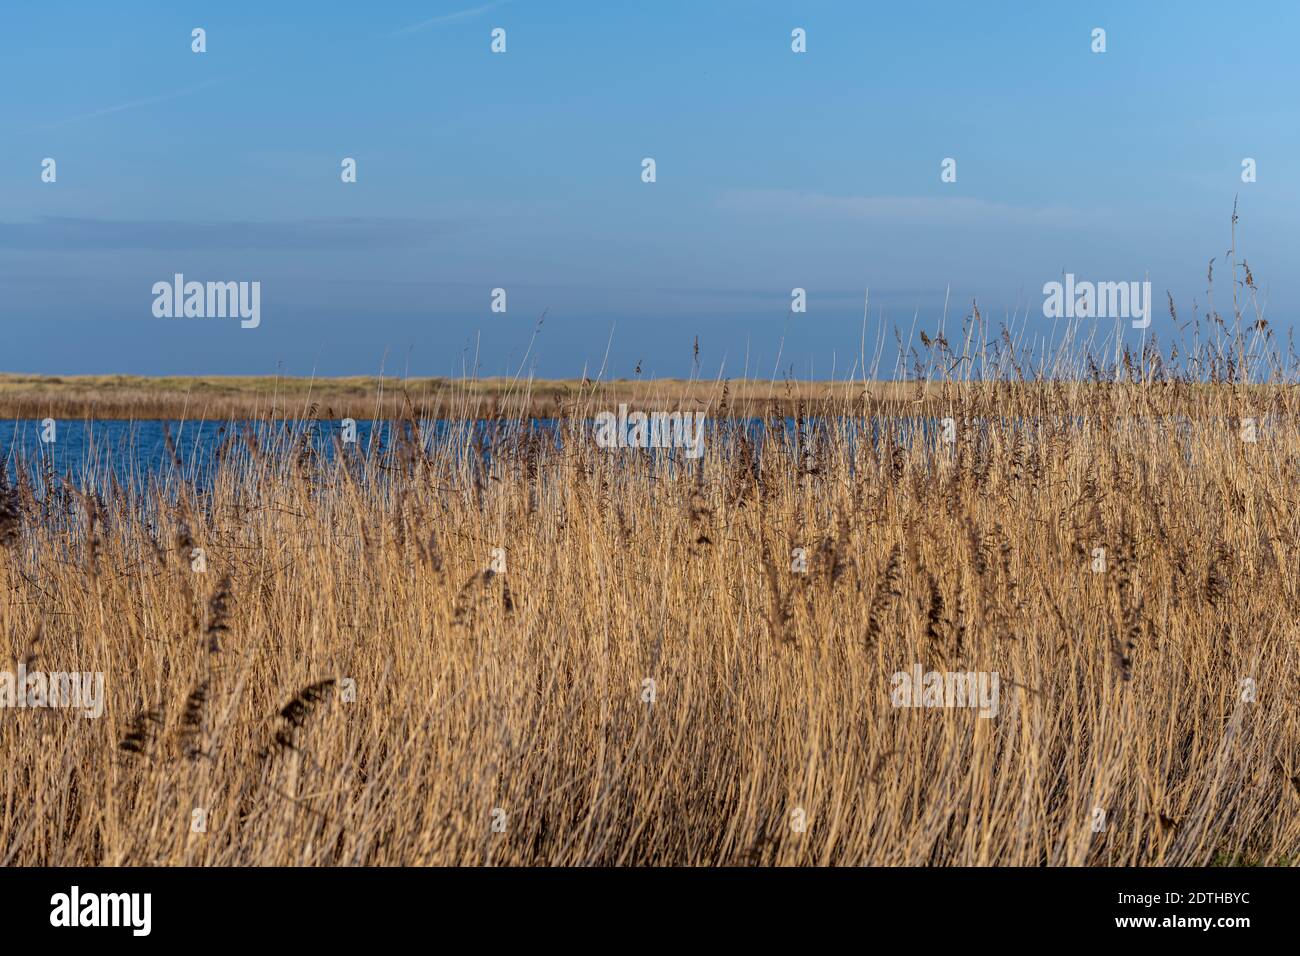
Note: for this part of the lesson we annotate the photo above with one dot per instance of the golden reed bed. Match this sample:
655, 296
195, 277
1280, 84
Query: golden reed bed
581, 655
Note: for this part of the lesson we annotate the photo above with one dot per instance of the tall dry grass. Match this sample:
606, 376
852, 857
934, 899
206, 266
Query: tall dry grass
501, 715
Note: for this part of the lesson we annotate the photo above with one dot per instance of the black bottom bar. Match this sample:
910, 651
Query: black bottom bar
303, 906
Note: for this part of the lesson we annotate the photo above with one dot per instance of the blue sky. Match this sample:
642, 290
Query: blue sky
523, 171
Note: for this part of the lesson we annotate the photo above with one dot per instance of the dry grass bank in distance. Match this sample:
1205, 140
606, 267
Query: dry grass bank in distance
365, 397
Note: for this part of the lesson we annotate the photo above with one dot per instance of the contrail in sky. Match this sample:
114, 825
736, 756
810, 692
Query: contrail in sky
133, 104
446, 18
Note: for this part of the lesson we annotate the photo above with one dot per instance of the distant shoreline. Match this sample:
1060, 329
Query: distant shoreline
218, 397
223, 398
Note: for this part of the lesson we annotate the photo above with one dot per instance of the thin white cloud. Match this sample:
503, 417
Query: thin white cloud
904, 209
67, 234
133, 104
446, 18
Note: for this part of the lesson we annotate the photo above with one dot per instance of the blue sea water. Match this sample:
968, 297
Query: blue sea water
133, 452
